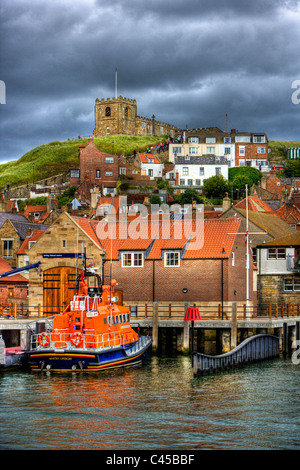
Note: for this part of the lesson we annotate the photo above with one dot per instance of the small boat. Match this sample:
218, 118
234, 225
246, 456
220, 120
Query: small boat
11, 358
92, 334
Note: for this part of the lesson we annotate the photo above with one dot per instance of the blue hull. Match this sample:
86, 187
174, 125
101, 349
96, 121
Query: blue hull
86, 359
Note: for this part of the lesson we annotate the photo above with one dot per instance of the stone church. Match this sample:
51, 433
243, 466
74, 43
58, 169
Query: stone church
119, 116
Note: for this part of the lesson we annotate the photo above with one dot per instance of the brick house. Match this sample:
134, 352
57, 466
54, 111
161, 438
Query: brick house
13, 289
153, 268
96, 168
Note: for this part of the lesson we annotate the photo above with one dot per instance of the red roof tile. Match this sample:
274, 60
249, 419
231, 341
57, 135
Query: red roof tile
4, 267
32, 238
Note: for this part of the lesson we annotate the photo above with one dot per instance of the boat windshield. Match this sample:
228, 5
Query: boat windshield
93, 281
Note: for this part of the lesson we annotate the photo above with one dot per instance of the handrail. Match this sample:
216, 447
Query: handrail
255, 348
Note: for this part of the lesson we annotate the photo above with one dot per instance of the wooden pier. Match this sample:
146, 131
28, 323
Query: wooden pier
253, 349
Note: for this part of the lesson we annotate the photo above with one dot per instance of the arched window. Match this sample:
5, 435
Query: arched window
107, 111
107, 130
126, 112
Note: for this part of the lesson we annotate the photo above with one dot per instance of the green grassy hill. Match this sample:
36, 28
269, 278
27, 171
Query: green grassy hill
58, 157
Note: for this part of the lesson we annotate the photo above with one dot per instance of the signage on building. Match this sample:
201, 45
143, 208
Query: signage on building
63, 255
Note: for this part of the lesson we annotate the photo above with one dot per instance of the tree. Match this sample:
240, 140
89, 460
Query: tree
252, 174
155, 199
188, 196
292, 168
216, 187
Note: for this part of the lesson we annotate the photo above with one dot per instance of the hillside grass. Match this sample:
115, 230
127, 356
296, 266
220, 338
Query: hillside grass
58, 157
279, 148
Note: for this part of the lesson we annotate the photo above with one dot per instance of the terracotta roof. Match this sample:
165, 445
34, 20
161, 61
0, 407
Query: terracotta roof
4, 266
213, 235
254, 204
145, 158
32, 238
288, 212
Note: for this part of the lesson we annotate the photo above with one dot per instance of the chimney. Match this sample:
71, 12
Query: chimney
177, 179
226, 203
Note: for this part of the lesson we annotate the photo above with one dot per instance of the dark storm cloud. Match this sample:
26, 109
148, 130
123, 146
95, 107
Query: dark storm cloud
188, 63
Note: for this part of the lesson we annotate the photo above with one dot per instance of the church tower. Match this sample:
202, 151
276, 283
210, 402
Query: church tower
115, 116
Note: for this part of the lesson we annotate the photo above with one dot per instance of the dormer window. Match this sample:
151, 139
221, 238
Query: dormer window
171, 259
132, 259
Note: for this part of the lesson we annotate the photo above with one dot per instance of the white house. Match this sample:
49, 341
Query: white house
151, 166
192, 171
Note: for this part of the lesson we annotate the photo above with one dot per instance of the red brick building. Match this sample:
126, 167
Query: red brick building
150, 264
13, 289
96, 168
251, 149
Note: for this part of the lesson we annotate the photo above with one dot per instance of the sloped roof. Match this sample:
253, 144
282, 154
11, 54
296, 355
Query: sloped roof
12, 217
254, 204
270, 223
33, 238
287, 211
4, 267
210, 238
287, 240
146, 156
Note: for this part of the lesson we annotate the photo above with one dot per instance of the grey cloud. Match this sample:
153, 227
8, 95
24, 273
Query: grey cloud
186, 62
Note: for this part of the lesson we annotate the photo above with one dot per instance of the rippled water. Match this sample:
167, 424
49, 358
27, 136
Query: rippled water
157, 406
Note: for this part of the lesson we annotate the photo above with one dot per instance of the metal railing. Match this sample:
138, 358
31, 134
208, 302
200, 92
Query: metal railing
63, 339
255, 348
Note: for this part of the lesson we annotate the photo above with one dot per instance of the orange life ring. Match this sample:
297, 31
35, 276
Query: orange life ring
43, 339
76, 339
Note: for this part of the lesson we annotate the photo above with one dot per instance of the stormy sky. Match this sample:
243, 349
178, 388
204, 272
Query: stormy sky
189, 63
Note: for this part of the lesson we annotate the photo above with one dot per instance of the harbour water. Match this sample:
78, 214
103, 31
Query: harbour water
157, 406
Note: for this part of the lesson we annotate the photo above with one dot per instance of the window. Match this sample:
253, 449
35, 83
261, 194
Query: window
109, 159
107, 130
7, 248
261, 149
176, 150
292, 284
108, 173
276, 253
194, 140
233, 259
241, 162
242, 138
241, 151
122, 171
210, 149
190, 182
185, 171
218, 171
30, 244
63, 243
75, 174
98, 173
201, 170
172, 258
132, 260
227, 151
227, 140
107, 111
210, 140
193, 150
259, 139
181, 182
198, 182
